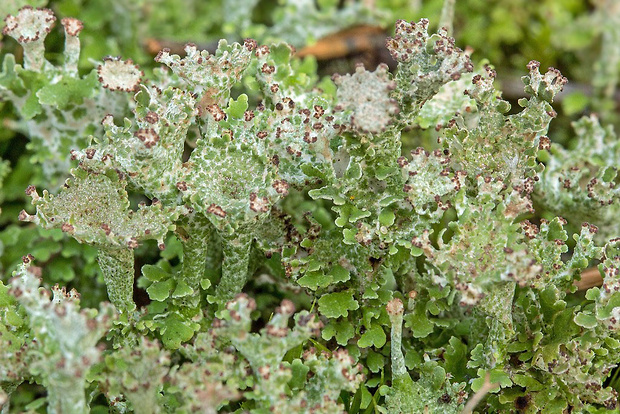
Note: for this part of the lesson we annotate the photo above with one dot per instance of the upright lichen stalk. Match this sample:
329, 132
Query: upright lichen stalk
29, 28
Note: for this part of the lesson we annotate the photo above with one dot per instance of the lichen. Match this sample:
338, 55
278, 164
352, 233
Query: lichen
293, 257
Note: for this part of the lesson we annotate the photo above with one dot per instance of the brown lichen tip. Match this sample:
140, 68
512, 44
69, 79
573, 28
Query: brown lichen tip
27, 259
151, 117
394, 307
72, 26
31, 191
287, 307
148, 136
250, 44
533, 65
23, 216
281, 187
217, 210
107, 120
29, 25
262, 51
217, 112
259, 204
343, 356
67, 228
544, 143
119, 75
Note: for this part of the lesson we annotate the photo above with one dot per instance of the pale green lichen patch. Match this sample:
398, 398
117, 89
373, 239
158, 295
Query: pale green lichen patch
581, 183
429, 180
211, 76
432, 391
63, 339
366, 94
482, 233
137, 373
488, 142
149, 152
316, 377
425, 63
119, 75
57, 106
94, 208
275, 339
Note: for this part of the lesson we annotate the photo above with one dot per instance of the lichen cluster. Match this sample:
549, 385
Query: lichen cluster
303, 262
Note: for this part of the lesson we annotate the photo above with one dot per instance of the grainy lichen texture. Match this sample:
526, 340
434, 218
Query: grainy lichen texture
58, 107
268, 246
